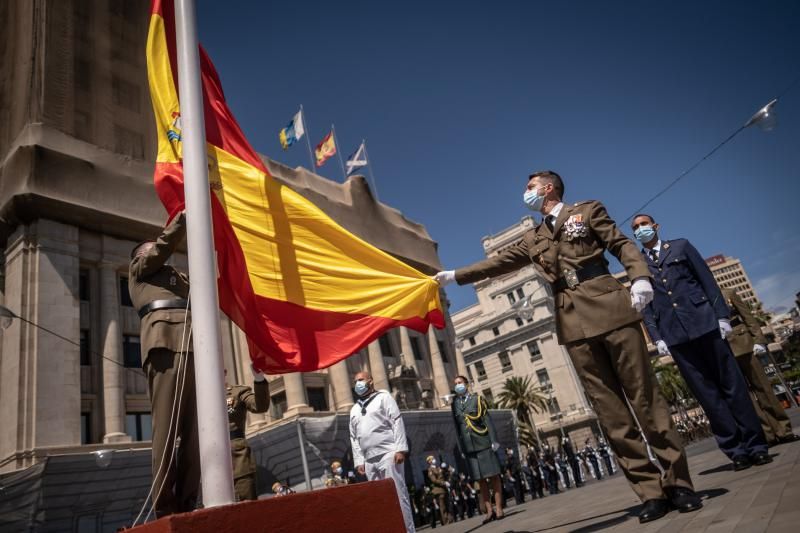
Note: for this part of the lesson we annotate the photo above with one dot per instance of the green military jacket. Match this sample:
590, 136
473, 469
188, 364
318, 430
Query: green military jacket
746, 331
437, 477
240, 400
151, 279
582, 233
481, 434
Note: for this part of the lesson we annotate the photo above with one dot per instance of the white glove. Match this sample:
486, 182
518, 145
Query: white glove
663, 349
724, 327
641, 293
495, 446
257, 376
759, 348
445, 277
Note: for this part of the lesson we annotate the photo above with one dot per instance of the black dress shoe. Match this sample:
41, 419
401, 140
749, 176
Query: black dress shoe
653, 510
489, 518
791, 437
760, 459
741, 463
684, 500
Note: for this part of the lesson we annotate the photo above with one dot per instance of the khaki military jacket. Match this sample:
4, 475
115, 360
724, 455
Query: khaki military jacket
582, 233
240, 400
746, 331
151, 279
436, 475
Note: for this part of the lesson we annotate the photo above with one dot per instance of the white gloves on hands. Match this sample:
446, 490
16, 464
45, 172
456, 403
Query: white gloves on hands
663, 349
257, 376
759, 348
445, 277
724, 327
641, 293
495, 446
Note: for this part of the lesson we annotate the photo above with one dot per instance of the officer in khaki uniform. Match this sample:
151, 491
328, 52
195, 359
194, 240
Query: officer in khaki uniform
437, 478
599, 323
159, 292
747, 341
240, 399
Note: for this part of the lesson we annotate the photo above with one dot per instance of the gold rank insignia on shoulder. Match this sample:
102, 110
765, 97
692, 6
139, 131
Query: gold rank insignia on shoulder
666, 245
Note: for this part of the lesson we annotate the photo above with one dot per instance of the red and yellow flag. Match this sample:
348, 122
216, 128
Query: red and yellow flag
325, 149
305, 291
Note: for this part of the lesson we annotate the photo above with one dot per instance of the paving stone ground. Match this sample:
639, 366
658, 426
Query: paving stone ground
759, 499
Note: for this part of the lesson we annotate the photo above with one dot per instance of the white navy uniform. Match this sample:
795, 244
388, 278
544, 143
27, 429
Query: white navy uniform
377, 432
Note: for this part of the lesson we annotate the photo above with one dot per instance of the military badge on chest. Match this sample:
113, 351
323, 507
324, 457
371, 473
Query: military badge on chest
173, 281
231, 406
575, 228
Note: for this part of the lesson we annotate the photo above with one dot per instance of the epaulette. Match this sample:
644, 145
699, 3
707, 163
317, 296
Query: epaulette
584, 202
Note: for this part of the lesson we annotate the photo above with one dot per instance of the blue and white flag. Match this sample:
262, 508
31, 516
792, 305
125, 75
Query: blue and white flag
357, 160
293, 131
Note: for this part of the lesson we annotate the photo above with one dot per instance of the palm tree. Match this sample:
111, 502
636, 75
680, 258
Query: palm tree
673, 386
520, 395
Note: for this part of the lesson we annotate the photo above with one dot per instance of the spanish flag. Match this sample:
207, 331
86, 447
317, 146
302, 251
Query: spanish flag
325, 149
305, 291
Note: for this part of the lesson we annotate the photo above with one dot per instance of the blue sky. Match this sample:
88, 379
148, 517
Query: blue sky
460, 101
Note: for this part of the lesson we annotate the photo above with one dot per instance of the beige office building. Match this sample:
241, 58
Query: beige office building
77, 140
730, 274
498, 344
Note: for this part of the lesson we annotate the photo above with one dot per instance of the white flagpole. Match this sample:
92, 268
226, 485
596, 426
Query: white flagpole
215, 451
369, 167
308, 140
339, 152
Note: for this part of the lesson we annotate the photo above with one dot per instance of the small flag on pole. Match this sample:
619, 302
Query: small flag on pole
357, 160
325, 149
293, 132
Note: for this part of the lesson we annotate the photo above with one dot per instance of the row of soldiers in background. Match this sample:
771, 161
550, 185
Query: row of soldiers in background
692, 428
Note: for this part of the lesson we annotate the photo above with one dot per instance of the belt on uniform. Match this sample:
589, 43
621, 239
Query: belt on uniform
572, 278
237, 434
155, 305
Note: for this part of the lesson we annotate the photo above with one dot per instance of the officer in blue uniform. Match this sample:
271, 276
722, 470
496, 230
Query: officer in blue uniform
688, 318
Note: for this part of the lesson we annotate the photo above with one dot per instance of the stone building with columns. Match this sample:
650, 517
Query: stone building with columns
77, 141
497, 344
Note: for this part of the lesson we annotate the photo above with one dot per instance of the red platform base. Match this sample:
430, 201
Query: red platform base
361, 508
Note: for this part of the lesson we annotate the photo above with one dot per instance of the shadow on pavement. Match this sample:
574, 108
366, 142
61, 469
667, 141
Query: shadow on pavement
507, 514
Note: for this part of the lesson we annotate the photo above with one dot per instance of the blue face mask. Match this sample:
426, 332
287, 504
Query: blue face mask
533, 200
644, 234
361, 387
460, 388
338, 471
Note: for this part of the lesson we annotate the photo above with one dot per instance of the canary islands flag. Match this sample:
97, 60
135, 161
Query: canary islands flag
305, 291
293, 131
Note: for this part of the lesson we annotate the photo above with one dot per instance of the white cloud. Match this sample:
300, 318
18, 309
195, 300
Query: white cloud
778, 289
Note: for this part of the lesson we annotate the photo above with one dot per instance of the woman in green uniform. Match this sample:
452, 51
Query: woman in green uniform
478, 443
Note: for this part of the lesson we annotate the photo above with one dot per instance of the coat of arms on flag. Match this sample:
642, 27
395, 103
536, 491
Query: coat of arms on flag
325, 149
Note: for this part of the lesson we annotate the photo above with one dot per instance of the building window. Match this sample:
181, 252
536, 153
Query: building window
386, 346
487, 393
139, 426
519, 321
442, 351
533, 349
505, 361
511, 298
496, 331
128, 142
469, 374
124, 295
86, 428
472, 341
416, 347
131, 351
277, 405
86, 349
83, 285
520, 293
317, 399
480, 370
544, 378
125, 94
553, 408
